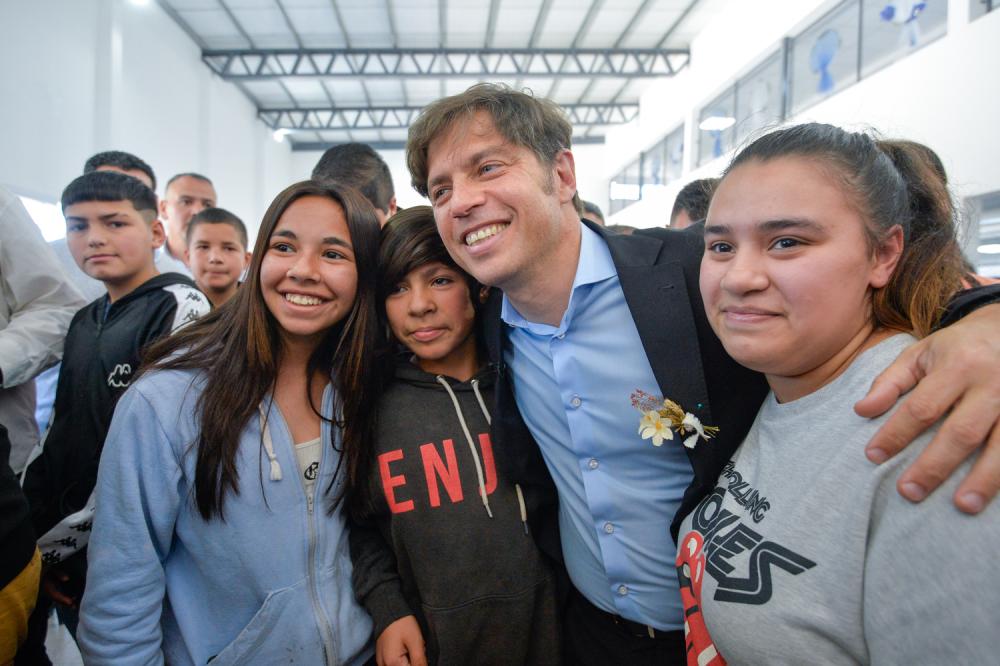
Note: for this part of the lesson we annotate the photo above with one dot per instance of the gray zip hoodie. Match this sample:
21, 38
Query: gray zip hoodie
449, 541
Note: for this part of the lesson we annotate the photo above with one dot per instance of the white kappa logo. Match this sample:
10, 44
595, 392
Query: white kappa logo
120, 376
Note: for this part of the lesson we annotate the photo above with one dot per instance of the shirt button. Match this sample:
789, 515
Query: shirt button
561, 336
576, 401
623, 590
609, 528
592, 463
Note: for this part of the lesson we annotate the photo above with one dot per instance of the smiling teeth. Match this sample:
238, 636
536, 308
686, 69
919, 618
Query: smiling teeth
299, 299
484, 233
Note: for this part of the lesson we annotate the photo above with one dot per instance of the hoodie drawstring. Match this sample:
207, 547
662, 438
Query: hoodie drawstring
482, 404
269, 445
468, 437
517, 486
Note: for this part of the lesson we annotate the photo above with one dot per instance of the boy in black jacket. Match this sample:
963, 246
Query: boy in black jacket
112, 233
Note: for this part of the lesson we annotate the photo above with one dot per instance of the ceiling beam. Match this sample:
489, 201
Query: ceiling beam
401, 117
319, 146
261, 64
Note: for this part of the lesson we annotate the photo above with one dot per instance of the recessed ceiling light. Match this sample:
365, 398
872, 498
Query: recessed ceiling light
716, 123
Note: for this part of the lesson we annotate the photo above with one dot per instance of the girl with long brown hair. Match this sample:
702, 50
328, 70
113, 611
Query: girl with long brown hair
218, 535
827, 253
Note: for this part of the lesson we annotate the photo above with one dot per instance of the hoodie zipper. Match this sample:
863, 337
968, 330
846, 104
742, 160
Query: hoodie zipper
323, 621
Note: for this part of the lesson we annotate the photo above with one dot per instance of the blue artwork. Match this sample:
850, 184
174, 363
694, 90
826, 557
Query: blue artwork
904, 15
820, 57
676, 155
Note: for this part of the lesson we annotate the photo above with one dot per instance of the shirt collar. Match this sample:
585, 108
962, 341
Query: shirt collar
594, 265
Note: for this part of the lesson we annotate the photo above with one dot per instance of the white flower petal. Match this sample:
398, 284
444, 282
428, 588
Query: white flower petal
691, 441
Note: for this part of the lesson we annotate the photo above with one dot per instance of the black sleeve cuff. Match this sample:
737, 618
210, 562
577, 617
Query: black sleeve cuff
968, 300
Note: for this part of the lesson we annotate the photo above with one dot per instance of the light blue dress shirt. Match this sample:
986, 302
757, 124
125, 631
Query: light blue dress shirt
617, 492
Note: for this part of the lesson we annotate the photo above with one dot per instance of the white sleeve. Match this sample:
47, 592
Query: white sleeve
137, 500
191, 304
39, 302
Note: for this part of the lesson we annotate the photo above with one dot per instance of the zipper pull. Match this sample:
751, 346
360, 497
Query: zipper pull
309, 504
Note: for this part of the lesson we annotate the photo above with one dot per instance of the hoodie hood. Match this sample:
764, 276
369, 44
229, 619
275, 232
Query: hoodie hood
409, 372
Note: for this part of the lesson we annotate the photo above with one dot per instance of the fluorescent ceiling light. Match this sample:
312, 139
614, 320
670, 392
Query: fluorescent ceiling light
989, 248
717, 123
140, 3
280, 134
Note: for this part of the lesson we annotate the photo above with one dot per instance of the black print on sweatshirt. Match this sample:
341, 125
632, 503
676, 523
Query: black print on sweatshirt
439, 473
724, 538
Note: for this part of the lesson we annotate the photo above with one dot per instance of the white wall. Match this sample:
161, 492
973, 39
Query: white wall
944, 95
79, 77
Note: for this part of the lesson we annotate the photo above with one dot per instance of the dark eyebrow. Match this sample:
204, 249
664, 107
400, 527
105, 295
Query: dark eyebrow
769, 226
334, 240
473, 159
329, 240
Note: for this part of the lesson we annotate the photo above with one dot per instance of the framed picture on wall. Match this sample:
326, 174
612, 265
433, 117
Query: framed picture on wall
824, 58
716, 127
890, 30
760, 97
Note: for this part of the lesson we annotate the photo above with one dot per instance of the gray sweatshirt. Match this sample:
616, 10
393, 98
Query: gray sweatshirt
805, 552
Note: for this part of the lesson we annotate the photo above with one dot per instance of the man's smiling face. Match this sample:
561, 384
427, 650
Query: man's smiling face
497, 207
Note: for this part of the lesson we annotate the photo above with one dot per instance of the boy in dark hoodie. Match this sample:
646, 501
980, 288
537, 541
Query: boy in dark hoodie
441, 549
112, 233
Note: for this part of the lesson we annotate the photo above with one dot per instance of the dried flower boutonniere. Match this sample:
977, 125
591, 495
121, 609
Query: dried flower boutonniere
662, 416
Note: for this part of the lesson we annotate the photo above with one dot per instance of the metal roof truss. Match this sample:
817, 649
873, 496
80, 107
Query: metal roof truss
258, 64
400, 117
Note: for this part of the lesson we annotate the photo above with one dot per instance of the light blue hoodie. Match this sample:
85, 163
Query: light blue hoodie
269, 584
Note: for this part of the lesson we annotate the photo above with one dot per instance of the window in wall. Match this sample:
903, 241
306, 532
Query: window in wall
984, 248
979, 8
716, 127
760, 97
625, 188
891, 30
48, 217
674, 154
824, 58
654, 167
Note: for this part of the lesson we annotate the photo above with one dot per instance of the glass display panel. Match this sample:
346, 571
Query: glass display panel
760, 97
892, 30
824, 58
716, 127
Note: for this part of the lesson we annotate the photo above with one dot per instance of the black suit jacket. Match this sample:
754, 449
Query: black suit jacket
658, 272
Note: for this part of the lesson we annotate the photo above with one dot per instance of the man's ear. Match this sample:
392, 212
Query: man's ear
246, 261
393, 208
159, 236
161, 206
564, 166
887, 256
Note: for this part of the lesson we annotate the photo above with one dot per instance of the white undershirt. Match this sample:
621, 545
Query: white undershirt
308, 456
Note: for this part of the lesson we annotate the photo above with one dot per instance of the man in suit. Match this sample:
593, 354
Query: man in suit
585, 320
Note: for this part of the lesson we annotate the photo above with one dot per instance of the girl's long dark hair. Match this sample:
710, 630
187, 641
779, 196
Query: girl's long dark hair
891, 183
238, 349
409, 240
